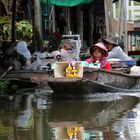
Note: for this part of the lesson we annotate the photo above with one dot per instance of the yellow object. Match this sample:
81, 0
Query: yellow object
70, 132
71, 71
77, 129
74, 70
62, 69
69, 68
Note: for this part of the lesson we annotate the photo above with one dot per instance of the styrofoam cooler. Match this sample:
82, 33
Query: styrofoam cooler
60, 69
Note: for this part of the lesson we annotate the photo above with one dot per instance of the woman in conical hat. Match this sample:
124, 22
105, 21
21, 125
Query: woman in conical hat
98, 54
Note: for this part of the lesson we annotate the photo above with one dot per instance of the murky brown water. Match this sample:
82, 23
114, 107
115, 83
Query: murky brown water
98, 117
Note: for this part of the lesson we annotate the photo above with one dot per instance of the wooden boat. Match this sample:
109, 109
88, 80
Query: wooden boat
34, 75
95, 80
28, 78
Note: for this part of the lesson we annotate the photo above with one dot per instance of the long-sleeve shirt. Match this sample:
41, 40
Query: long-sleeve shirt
117, 52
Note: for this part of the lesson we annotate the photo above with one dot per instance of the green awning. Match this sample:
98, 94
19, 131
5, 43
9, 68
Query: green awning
67, 3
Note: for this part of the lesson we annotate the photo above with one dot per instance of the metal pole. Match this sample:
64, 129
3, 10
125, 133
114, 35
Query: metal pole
13, 34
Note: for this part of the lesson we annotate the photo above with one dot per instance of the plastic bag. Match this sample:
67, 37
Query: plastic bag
23, 50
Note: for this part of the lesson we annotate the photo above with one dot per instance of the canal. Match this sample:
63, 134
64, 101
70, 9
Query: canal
38, 116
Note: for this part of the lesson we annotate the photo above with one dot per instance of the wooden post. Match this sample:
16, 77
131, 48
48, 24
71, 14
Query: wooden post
92, 25
108, 5
119, 23
31, 3
38, 21
80, 22
37, 11
106, 18
91, 21
125, 25
13, 34
67, 17
53, 19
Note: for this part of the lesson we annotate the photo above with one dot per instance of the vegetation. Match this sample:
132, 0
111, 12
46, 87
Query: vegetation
5, 27
23, 29
7, 87
4, 87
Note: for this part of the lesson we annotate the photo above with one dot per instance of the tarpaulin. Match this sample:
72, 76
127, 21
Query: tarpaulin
67, 3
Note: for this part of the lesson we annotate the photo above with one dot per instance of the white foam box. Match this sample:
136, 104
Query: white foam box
60, 69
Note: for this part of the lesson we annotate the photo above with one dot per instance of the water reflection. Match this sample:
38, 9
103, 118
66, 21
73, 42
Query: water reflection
128, 126
38, 117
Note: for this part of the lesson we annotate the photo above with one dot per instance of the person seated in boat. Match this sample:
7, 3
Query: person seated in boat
67, 51
98, 54
70, 47
116, 56
115, 51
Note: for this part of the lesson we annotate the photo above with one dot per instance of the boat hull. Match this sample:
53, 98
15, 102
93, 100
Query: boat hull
95, 81
113, 78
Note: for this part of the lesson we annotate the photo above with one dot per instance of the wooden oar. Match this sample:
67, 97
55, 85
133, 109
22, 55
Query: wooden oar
9, 69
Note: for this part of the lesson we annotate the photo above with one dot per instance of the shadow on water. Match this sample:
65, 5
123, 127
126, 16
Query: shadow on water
38, 116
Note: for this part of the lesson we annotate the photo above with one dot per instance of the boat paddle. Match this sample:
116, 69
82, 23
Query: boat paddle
9, 69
